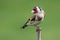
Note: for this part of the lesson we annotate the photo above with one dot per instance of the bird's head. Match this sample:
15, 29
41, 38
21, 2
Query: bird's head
36, 9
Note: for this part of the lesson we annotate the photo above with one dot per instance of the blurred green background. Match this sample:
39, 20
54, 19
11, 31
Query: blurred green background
14, 13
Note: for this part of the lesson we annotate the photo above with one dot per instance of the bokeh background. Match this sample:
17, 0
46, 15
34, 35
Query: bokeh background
14, 13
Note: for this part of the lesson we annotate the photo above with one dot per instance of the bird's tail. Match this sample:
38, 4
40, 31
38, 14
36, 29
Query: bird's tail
24, 26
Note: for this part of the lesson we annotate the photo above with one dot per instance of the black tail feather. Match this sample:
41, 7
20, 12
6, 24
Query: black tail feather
24, 26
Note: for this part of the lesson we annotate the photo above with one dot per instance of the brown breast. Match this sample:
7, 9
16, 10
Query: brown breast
39, 18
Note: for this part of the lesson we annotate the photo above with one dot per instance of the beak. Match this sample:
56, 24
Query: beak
32, 11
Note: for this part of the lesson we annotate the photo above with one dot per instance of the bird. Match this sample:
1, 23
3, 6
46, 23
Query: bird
36, 19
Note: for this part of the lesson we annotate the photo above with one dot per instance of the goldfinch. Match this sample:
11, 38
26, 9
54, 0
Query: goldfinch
37, 18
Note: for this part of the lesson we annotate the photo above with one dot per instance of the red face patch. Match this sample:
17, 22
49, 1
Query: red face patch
35, 10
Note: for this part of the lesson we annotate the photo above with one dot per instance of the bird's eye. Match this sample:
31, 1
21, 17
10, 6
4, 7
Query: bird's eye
40, 8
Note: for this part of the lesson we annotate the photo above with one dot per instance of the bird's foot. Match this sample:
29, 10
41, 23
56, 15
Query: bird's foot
38, 29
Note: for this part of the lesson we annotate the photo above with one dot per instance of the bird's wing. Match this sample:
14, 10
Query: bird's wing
34, 18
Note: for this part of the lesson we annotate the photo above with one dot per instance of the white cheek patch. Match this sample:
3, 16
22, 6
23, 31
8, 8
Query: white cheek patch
38, 9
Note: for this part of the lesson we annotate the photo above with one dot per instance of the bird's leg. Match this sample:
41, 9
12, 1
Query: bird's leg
38, 30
